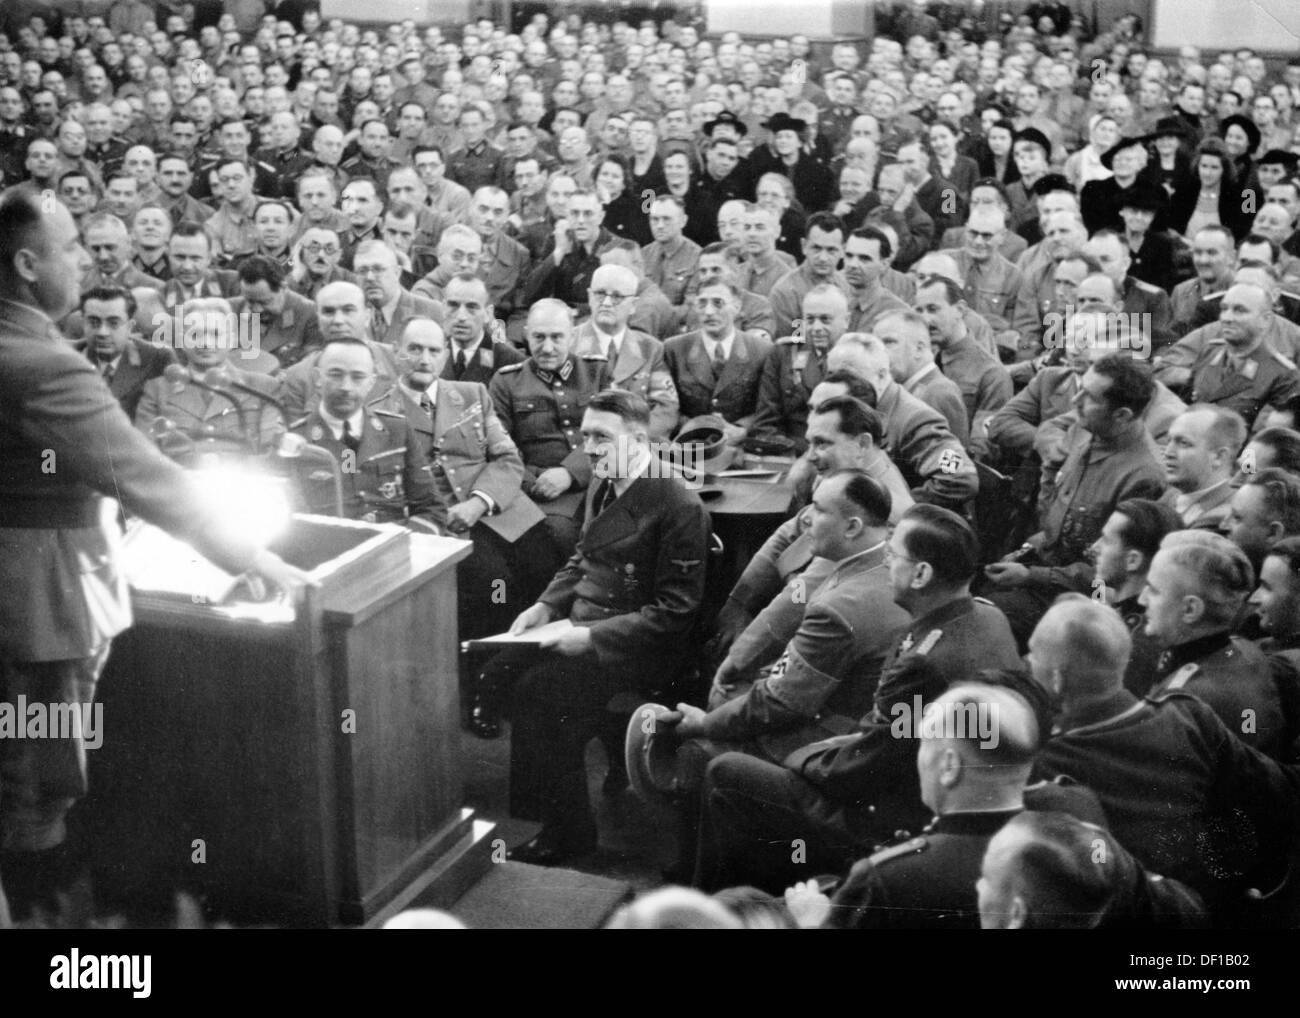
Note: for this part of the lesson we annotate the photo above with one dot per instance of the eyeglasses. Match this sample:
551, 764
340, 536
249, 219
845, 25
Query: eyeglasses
329, 249
601, 296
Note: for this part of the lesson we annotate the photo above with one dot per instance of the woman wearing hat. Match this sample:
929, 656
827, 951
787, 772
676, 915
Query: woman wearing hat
1241, 138
1211, 195
1085, 166
1151, 250
813, 185
1172, 167
1100, 200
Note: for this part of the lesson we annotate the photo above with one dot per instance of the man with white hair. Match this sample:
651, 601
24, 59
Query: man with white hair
206, 333
636, 359
917, 438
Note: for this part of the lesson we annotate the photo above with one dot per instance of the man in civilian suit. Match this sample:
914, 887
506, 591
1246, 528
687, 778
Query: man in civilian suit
636, 359
64, 597
717, 370
125, 362
391, 307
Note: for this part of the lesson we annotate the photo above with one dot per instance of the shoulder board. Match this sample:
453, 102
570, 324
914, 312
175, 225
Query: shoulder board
1288, 293
380, 412
985, 600
913, 847
928, 644
1216, 295
790, 341
1142, 285
1285, 361
594, 357
507, 369
1181, 677
299, 422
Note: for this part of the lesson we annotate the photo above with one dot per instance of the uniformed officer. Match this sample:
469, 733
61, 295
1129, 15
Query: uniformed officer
852, 790
475, 354
636, 359
1195, 591
717, 369
183, 401
796, 365
476, 472
1214, 814
630, 597
1122, 557
974, 784
917, 438
386, 477
1239, 370
541, 402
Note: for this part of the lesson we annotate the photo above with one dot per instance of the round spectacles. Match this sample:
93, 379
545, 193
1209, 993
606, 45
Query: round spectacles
601, 296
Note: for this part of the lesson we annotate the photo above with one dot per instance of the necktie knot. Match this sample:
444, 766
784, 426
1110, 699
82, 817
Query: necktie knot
604, 496
350, 439
460, 363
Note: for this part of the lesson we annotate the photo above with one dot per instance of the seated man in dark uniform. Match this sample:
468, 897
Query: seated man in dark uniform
848, 792
632, 591
1194, 595
541, 401
1182, 791
976, 748
383, 471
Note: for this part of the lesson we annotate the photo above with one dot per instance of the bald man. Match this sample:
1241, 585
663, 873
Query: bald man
1211, 794
477, 474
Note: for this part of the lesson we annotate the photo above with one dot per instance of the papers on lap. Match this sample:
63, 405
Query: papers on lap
530, 636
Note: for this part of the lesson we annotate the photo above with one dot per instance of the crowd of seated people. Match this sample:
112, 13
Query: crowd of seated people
1014, 295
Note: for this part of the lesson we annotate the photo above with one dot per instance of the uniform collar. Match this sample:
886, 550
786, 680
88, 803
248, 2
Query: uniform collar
565, 370
980, 822
919, 375
1095, 711
335, 424
1193, 650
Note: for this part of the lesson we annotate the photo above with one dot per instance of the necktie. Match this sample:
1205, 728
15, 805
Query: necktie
426, 404
613, 352
460, 363
604, 496
719, 362
378, 327
107, 371
352, 441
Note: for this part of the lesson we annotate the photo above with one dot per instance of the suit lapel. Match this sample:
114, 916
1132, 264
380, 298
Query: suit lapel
736, 362
699, 360
450, 407
630, 358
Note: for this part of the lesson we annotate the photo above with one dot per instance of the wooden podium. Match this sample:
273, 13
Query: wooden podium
292, 768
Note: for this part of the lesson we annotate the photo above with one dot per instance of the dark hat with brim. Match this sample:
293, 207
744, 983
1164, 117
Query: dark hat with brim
1253, 137
785, 122
1033, 134
1280, 157
1129, 141
1144, 197
650, 753
1171, 127
702, 445
728, 118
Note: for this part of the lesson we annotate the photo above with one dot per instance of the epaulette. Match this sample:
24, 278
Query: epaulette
984, 600
790, 341
594, 357
1143, 285
914, 846
1282, 359
508, 369
1216, 295
928, 644
381, 412
299, 422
